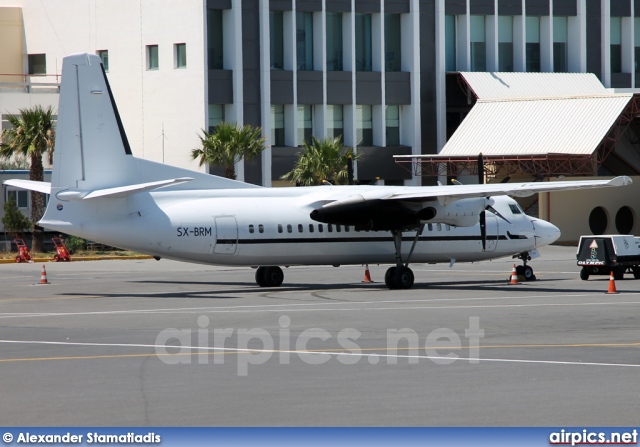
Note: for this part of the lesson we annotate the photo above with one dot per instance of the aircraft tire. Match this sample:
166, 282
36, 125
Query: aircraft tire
260, 280
389, 277
273, 276
527, 272
404, 278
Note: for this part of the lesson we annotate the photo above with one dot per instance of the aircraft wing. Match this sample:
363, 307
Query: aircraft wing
390, 208
448, 194
32, 185
451, 193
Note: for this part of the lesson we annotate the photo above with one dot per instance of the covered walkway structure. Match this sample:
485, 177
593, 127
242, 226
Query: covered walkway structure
536, 124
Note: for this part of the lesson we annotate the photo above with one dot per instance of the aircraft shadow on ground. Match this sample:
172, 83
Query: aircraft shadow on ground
247, 288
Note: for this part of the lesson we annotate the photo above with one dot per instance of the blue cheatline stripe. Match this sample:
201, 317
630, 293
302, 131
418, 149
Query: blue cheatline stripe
355, 239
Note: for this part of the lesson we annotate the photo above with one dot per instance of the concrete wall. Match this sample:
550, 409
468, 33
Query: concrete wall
570, 210
164, 107
11, 36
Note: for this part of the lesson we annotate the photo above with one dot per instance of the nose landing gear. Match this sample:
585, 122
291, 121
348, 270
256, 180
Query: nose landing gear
526, 271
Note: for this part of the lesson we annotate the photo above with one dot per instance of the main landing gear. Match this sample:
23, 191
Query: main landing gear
401, 276
524, 270
269, 276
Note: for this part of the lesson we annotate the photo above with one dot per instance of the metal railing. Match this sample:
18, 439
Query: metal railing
29, 83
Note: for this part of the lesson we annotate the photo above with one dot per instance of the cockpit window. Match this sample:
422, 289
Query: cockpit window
515, 209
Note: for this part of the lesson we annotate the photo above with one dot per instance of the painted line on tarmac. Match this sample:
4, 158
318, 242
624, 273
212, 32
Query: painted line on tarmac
223, 310
272, 307
211, 350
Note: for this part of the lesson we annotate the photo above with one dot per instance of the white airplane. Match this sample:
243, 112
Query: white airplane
100, 191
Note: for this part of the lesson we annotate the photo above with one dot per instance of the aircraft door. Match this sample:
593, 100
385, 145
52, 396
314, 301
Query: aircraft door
493, 231
226, 235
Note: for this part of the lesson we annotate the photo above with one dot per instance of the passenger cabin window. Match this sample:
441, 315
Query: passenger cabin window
430, 227
261, 228
346, 228
289, 229
280, 229
320, 229
300, 228
251, 229
515, 209
338, 229
330, 228
439, 227
310, 228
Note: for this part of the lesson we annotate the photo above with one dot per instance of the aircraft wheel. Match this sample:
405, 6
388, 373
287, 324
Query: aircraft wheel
584, 274
527, 272
404, 278
273, 276
389, 277
260, 277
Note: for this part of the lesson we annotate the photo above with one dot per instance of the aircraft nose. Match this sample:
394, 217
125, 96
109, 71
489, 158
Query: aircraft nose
548, 233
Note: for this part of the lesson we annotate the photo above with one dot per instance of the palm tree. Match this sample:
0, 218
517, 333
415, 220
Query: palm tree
227, 144
32, 135
321, 161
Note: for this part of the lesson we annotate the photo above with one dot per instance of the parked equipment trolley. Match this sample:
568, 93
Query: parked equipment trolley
63, 253
601, 255
23, 251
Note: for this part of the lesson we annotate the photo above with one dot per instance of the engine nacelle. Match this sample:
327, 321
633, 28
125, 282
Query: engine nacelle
461, 213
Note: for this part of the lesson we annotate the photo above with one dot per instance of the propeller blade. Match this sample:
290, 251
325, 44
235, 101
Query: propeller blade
494, 211
483, 230
480, 169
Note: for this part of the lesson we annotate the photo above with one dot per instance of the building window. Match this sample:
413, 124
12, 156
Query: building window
364, 126
505, 43
392, 125
277, 39
37, 64
450, 42
20, 197
305, 124
392, 42
616, 47
214, 39
335, 126
334, 41
363, 42
180, 55
478, 44
277, 125
216, 115
533, 44
104, 57
304, 40
152, 57
560, 52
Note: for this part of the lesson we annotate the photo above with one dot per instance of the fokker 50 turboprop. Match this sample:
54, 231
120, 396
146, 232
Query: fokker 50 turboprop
100, 191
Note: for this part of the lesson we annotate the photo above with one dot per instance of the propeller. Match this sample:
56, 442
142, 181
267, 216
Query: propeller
483, 214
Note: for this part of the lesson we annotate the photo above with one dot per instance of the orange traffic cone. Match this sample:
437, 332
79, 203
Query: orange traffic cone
367, 275
612, 285
514, 276
43, 276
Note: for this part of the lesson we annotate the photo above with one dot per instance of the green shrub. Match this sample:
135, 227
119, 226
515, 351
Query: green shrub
75, 244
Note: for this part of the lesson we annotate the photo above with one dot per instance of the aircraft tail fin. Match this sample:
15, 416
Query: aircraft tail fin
92, 151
